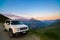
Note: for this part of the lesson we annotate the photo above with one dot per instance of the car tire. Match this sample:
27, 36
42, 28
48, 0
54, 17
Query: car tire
11, 34
4, 28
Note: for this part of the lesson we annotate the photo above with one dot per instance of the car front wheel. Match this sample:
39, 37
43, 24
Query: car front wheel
4, 28
11, 33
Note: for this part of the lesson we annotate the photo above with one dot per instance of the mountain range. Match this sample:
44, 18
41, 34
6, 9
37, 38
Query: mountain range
32, 23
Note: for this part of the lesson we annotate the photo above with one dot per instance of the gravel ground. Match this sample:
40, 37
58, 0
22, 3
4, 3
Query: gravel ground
5, 36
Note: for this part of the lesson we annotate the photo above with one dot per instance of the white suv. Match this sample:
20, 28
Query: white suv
15, 27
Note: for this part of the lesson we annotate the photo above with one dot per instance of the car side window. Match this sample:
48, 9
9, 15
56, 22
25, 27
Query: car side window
8, 22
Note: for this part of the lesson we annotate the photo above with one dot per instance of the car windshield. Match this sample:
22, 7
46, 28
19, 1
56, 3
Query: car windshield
16, 22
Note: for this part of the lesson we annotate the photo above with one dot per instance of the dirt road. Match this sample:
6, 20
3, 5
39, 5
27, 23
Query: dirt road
5, 36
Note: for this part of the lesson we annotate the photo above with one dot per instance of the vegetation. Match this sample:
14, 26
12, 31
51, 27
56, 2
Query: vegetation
2, 18
49, 33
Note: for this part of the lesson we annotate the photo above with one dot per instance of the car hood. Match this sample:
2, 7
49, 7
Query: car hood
19, 26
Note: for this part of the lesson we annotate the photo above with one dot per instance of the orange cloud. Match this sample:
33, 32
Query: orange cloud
48, 17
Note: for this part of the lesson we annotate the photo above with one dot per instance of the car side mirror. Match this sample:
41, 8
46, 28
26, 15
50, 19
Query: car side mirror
7, 23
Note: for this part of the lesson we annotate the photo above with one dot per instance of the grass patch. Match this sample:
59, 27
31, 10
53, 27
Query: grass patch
47, 33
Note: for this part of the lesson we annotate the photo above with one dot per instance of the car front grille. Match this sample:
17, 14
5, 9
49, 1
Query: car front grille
23, 28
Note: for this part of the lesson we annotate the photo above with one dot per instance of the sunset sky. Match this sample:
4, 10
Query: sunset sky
38, 9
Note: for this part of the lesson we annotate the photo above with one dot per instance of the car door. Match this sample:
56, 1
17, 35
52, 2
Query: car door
7, 25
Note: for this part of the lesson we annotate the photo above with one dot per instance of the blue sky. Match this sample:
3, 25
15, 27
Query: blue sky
30, 8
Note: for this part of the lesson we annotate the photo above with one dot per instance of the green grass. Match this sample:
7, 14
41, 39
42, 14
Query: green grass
50, 33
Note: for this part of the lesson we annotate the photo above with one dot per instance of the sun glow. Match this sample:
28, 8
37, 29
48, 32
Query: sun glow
48, 17
53, 17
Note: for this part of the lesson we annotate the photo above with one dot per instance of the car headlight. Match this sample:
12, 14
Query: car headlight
16, 29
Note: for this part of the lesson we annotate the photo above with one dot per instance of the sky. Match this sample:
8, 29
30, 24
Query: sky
38, 9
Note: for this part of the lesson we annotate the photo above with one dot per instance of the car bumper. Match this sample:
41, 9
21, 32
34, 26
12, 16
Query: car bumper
21, 31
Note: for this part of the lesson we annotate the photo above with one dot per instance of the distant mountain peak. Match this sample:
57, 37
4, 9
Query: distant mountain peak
32, 19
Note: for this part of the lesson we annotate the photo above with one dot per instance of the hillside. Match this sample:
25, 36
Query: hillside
49, 33
2, 18
49, 22
56, 23
35, 24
